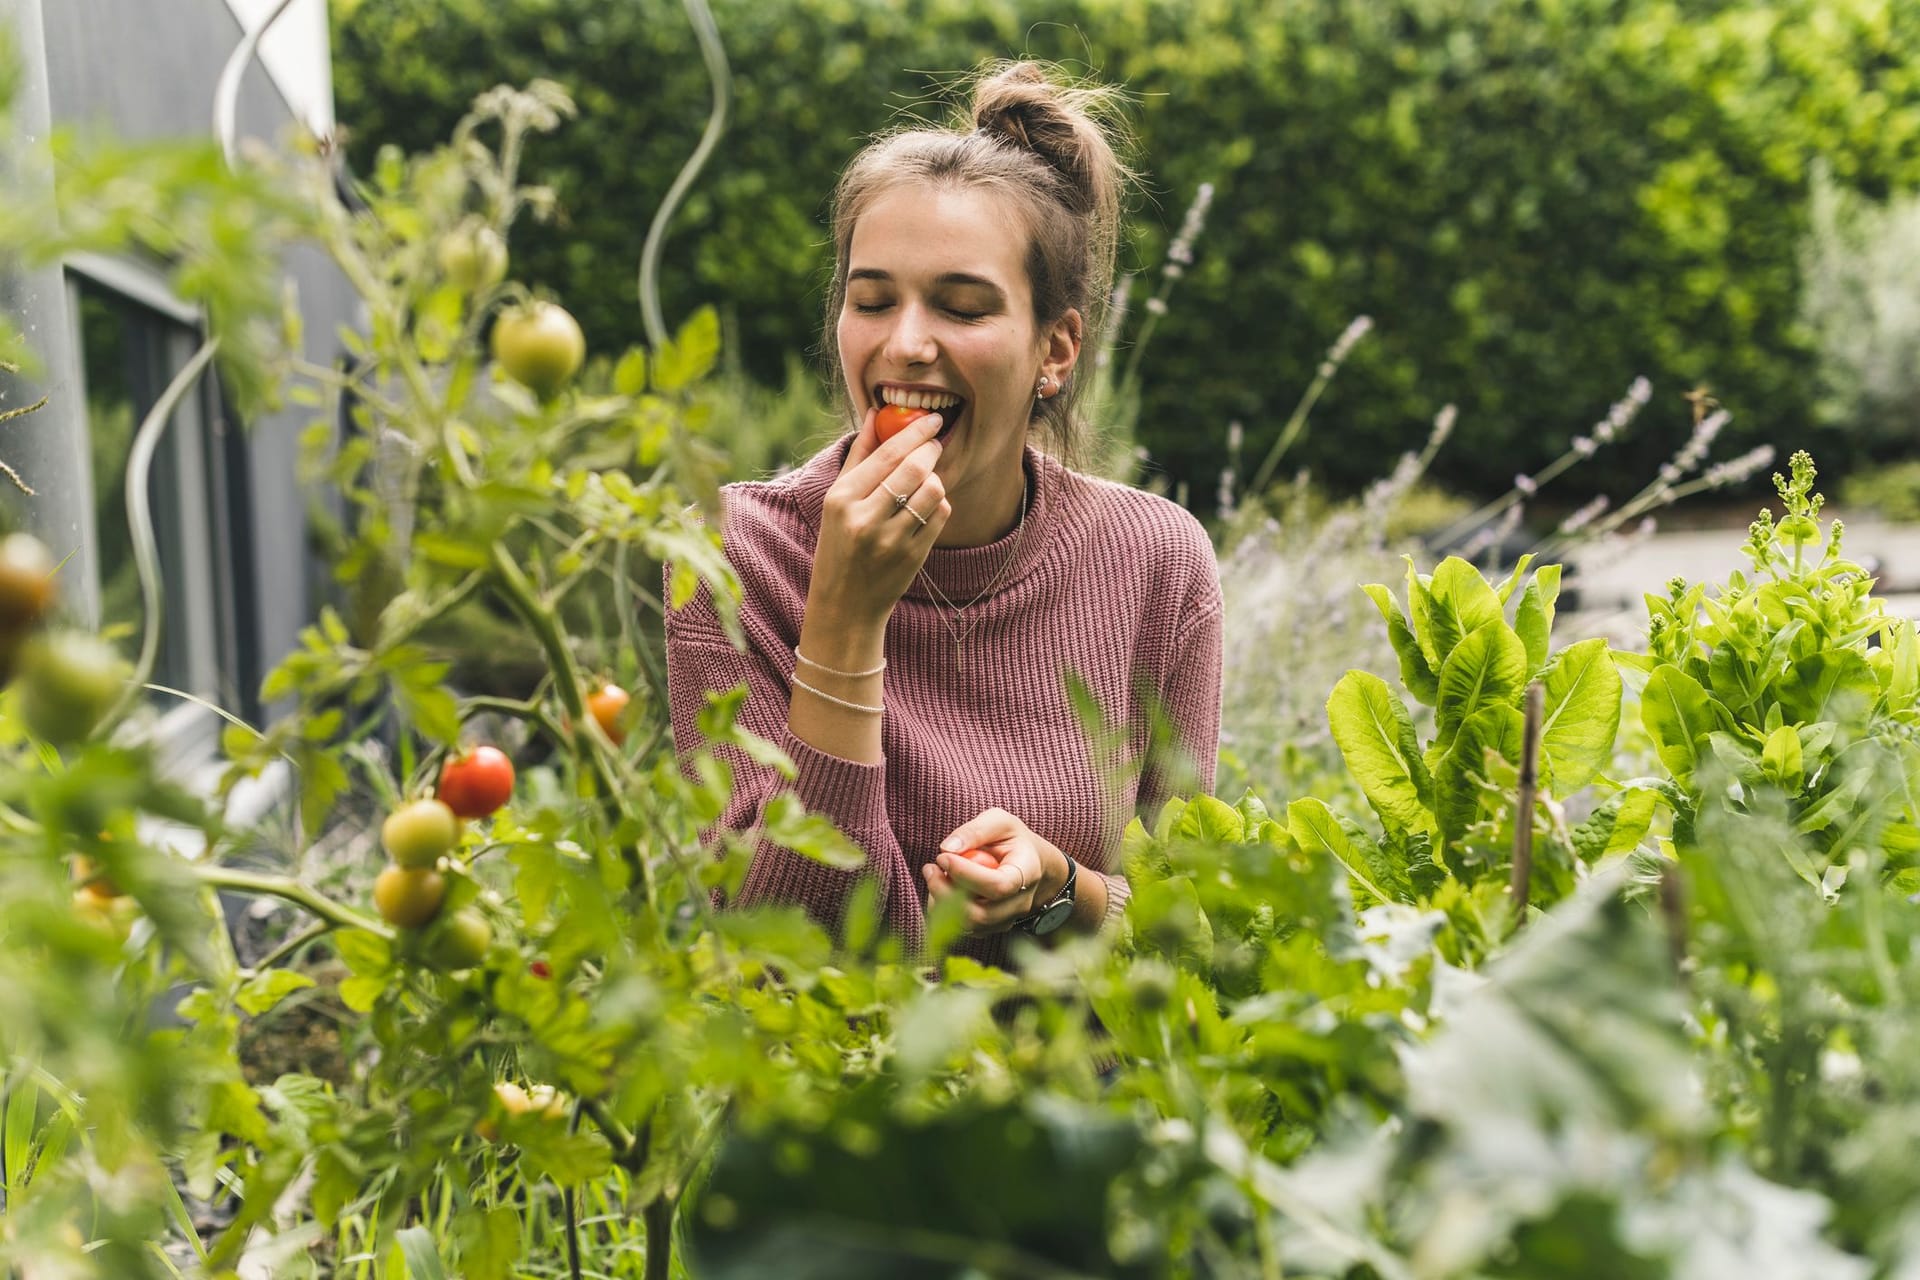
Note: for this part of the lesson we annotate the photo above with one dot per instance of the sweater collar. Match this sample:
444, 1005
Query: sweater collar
961, 573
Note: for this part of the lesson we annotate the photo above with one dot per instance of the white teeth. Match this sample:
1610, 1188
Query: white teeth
919, 399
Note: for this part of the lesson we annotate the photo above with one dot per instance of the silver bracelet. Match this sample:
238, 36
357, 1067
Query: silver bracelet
845, 675
798, 683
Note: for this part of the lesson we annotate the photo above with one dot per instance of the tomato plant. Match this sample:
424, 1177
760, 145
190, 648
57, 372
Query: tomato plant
477, 783
473, 256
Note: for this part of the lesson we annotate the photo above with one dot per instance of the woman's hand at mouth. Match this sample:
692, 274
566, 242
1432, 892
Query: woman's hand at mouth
879, 520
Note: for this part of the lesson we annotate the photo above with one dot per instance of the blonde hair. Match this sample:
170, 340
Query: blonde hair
1050, 149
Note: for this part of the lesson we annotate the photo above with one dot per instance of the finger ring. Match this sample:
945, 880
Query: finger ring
899, 499
917, 516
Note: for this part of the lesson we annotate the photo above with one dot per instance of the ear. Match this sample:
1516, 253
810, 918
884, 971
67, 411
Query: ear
1062, 345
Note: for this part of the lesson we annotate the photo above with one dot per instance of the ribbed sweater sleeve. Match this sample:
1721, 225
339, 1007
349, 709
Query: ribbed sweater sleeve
701, 660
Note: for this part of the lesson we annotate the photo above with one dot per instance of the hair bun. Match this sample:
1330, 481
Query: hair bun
1019, 104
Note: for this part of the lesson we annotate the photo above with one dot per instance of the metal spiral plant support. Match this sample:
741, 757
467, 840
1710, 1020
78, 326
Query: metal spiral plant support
715, 55
226, 93
146, 547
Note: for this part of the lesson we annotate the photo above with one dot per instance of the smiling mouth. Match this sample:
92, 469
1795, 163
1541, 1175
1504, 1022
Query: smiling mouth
944, 403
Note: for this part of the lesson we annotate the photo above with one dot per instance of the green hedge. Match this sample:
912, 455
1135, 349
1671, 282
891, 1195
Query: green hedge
1535, 201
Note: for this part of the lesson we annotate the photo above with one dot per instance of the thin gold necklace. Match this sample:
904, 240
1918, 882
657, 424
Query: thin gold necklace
960, 611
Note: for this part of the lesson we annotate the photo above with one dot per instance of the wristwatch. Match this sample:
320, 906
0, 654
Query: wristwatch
1044, 919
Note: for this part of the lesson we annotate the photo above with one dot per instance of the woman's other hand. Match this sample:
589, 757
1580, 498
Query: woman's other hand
879, 521
1031, 871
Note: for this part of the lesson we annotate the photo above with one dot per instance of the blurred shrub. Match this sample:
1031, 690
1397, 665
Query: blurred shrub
1891, 492
1861, 266
1537, 202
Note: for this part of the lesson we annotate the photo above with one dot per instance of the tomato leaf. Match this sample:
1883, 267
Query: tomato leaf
691, 354
265, 990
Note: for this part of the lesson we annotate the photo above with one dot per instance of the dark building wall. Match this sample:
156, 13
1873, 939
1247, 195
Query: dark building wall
147, 69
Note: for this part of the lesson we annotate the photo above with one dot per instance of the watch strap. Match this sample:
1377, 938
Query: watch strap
1066, 896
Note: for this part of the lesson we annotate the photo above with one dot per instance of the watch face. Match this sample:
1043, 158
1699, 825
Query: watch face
1053, 917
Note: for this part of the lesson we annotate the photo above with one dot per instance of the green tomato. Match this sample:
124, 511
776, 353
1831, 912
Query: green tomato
540, 346
417, 835
460, 941
408, 898
473, 257
67, 683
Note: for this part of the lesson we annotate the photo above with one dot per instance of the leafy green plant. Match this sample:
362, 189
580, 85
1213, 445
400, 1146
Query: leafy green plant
1468, 649
1791, 679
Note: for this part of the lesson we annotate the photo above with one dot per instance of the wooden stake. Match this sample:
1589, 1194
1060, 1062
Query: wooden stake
1521, 883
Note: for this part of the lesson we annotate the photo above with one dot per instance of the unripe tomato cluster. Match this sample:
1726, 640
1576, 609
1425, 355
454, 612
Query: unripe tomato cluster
410, 893
66, 681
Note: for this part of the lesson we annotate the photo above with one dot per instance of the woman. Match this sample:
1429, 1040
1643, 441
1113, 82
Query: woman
919, 609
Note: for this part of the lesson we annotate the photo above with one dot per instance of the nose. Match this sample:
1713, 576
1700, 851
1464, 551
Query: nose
911, 339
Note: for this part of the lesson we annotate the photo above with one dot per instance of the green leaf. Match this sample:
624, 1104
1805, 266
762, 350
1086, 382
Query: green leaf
691, 354
1678, 716
1458, 792
1487, 668
1617, 826
1211, 820
1533, 619
1319, 830
1167, 918
454, 552
363, 952
1462, 604
1415, 672
434, 710
1420, 612
786, 822
265, 990
423, 1257
630, 375
1781, 759
1581, 714
1376, 738
23, 1101
1835, 684
1513, 579
360, 994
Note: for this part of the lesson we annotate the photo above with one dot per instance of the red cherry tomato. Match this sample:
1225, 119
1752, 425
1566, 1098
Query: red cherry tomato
983, 858
892, 419
477, 783
540, 969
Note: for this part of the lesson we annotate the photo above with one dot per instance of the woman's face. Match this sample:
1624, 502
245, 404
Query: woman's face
939, 313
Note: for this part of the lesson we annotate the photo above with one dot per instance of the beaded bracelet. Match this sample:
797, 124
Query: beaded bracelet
798, 683
846, 675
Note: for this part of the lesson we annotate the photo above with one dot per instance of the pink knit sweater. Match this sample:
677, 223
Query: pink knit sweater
1110, 583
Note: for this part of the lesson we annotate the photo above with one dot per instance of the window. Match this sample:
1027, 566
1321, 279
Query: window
132, 339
